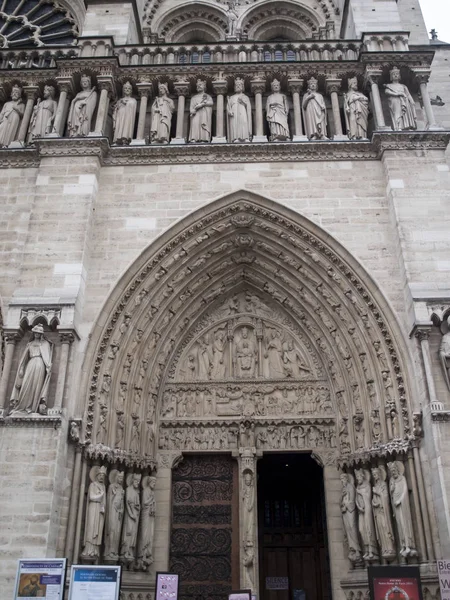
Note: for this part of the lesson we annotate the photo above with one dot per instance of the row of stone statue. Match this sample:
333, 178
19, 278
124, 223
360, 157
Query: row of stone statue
239, 113
120, 522
367, 510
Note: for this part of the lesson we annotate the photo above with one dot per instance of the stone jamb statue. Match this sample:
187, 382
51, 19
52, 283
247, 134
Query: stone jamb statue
382, 513
43, 115
131, 520
82, 109
239, 112
146, 523
10, 116
398, 488
444, 353
314, 112
200, 111
33, 375
349, 514
356, 107
365, 516
124, 115
163, 108
114, 515
95, 515
401, 104
277, 112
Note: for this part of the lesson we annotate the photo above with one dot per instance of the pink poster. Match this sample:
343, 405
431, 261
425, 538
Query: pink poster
166, 586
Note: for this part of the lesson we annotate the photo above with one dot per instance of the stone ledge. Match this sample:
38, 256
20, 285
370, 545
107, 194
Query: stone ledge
50, 420
441, 416
224, 153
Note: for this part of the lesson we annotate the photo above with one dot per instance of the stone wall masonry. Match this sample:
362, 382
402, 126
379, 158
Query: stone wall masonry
439, 84
114, 19
29, 468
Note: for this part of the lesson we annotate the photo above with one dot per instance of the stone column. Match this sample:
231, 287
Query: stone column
423, 76
374, 76
65, 89
295, 87
258, 87
167, 461
182, 90
66, 340
31, 92
70, 535
220, 88
422, 548
339, 562
144, 89
10, 343
423, 504
423, 334
248, 508
105, 87
333, 88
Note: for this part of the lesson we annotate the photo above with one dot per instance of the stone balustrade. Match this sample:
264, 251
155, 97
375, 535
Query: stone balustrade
386, 42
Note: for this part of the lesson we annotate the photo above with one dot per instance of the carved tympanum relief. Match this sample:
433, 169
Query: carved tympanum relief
248, 322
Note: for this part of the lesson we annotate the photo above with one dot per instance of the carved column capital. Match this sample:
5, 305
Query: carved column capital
65, 84
422, 74
66, 337
325, 458
32, 91
220, 86
333, 85
422, 333
181, 87
169, 460
295, 85
258, 86
12, 337
144, 88
373, 74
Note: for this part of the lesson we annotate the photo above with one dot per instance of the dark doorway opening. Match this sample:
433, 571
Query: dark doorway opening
293, 546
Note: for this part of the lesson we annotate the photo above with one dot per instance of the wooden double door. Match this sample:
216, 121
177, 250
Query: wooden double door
292, 529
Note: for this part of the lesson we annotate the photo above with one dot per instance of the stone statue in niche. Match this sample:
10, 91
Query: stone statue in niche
82, 109
146, 523
163, 108
398, 488
365, 517
314, 112
120, 429
382, 513
218, 366
201, 114
444, 353
273, 363
239, 112
245, 354
232, 17
348, 509
124, 114
356, 107
114, 515
95, 515
10, 117
277, 112
43, 115
358, 428
401, 104
135, 443
33, 375
131, 520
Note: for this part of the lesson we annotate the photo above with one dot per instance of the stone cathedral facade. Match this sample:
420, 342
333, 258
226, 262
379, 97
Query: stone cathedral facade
225, 292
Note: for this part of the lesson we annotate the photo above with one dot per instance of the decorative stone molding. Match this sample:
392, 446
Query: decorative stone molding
33, 420
169, 460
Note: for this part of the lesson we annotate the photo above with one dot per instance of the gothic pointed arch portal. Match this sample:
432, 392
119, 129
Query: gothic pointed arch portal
246, 328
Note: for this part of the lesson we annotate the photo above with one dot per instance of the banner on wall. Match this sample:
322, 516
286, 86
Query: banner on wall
395, 583
100, 582
40, 578
444, 578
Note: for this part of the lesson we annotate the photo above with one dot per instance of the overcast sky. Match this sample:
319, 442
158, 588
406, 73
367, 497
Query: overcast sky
437, 16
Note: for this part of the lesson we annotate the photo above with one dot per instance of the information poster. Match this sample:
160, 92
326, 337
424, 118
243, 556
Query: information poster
395, 583
94, 582
240, 595
166, 587
40, 578
444, 578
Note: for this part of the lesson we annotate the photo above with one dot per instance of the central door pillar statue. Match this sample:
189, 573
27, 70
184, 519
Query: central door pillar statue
248, 506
